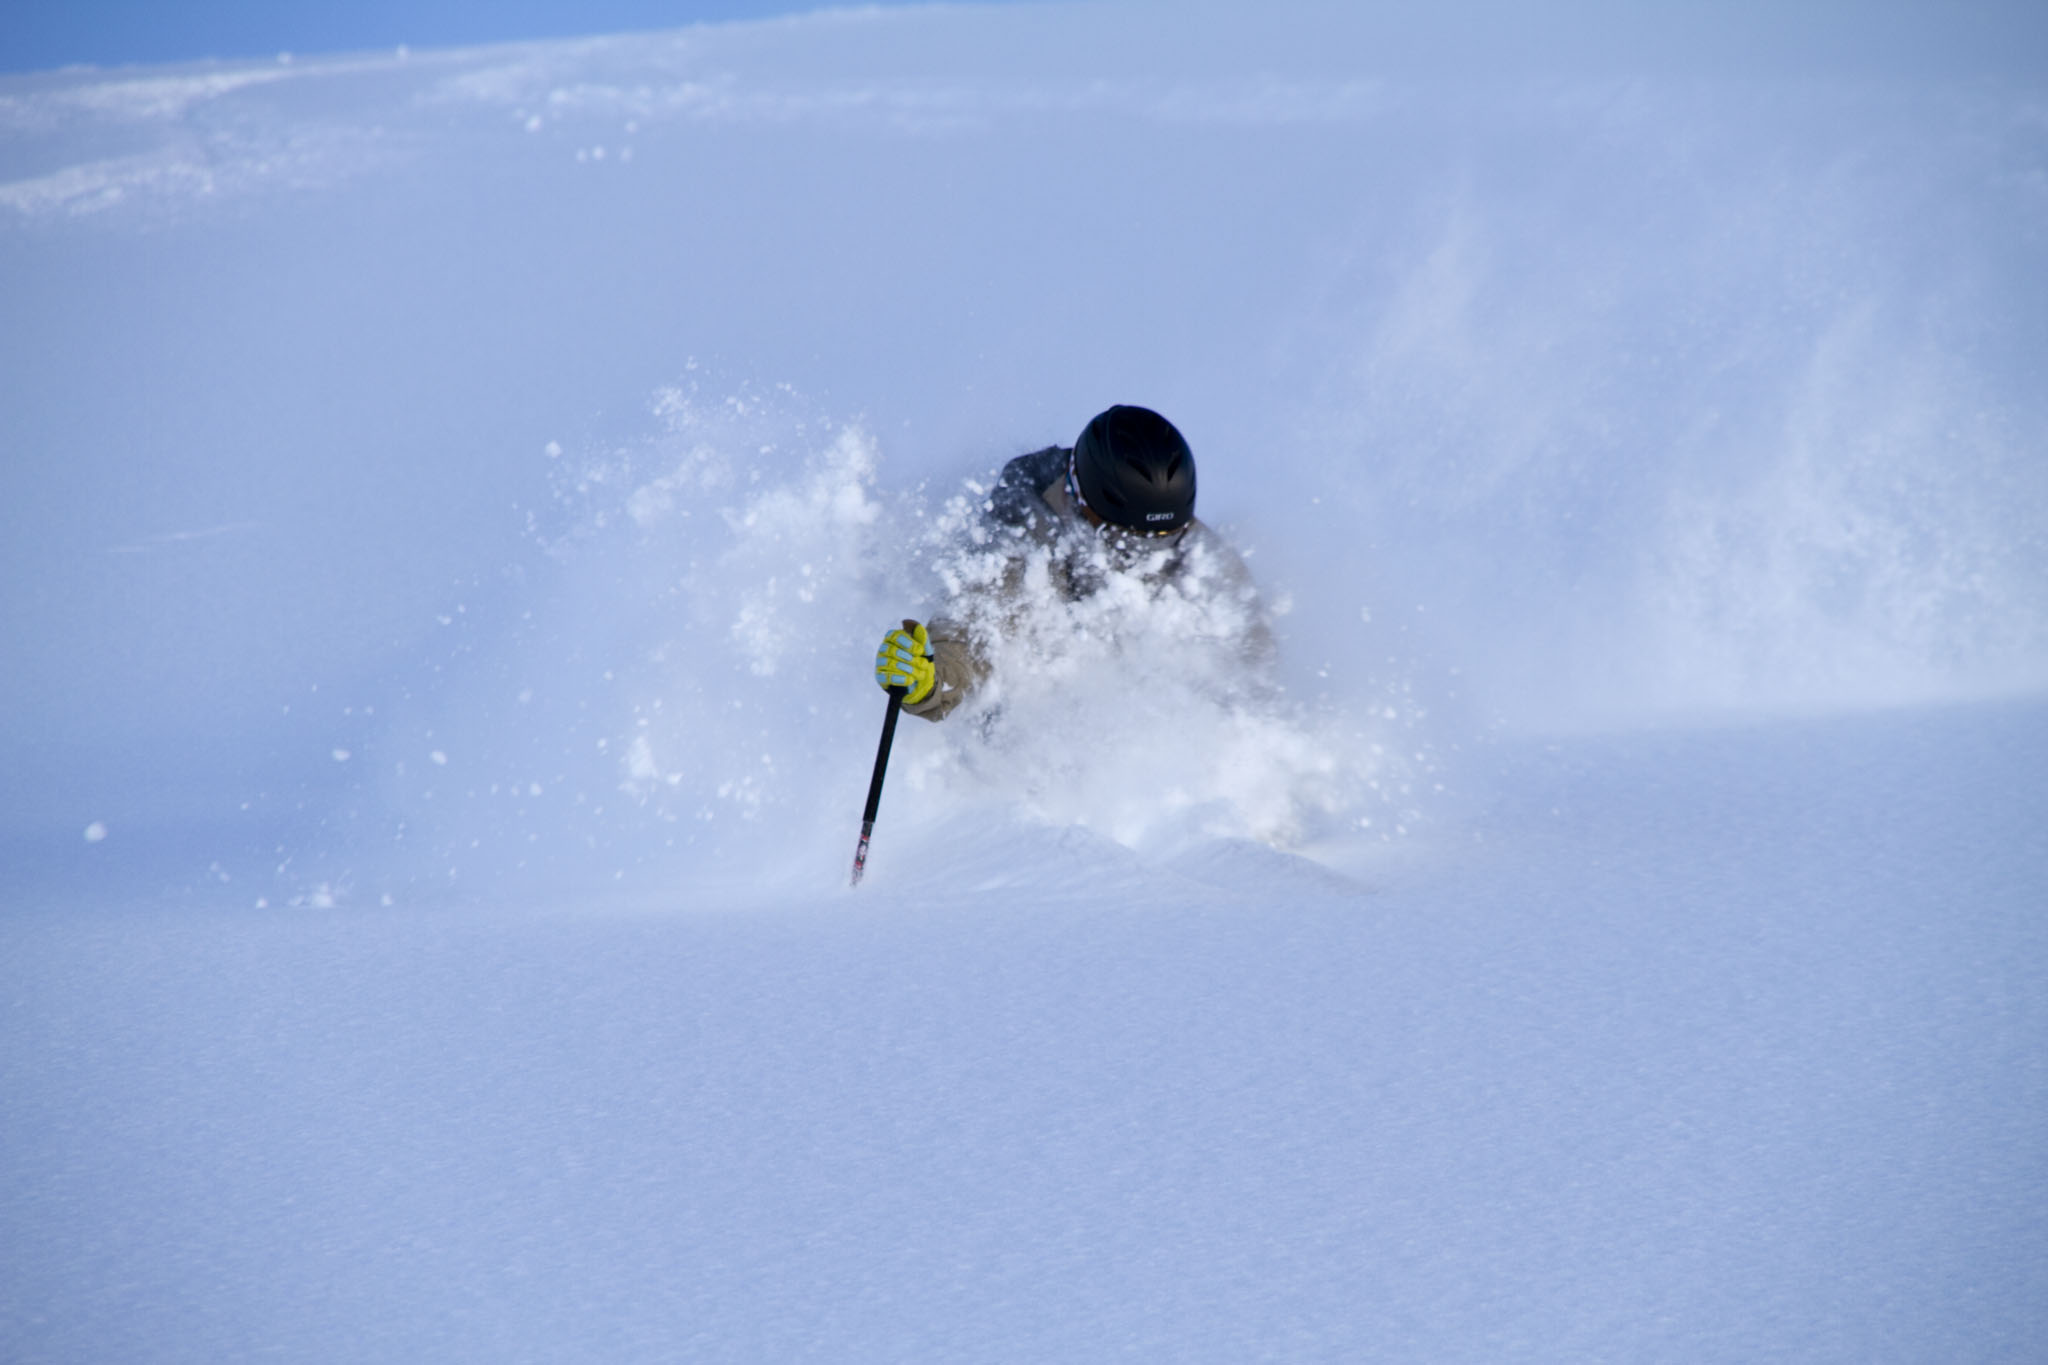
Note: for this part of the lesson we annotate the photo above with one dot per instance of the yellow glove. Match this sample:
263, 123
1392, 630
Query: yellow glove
905, 660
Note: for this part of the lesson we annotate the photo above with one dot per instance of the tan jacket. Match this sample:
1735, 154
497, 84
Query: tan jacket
960, 662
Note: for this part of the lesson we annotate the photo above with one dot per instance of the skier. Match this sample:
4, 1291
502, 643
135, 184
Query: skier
1120, 502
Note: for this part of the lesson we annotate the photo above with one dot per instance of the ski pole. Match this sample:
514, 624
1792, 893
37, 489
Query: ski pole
867, 817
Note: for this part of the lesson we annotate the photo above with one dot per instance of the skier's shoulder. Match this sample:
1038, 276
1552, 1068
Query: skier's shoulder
1205, 540
1208, 558
1018, 498
1040, 468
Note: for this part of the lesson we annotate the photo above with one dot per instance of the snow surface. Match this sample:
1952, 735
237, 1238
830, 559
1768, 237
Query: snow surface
453, 500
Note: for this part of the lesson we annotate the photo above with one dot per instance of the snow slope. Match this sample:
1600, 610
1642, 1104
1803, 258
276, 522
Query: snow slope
453, 499
1733, 1054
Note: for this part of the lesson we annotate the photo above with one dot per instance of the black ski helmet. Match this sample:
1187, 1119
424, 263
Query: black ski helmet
1132, 469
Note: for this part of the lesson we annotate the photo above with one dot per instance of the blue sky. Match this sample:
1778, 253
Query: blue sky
38, 35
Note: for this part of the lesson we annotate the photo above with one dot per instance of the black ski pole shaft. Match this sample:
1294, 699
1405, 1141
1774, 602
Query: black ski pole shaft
867, 817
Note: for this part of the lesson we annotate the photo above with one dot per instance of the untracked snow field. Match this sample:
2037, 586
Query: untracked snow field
1736, 1053
453, 498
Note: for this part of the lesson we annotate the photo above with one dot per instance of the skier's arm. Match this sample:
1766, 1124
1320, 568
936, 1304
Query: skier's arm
936, 666
1232, 577
945, 652
957, 669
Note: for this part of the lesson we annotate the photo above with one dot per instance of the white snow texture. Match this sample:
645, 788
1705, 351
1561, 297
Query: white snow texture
455, 498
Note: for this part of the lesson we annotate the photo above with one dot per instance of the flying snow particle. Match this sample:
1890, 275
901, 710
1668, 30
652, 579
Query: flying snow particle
95, 832
553, 450
341, 755
439, 758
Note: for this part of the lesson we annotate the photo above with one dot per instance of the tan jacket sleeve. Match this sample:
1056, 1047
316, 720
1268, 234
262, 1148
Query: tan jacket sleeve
957, 669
